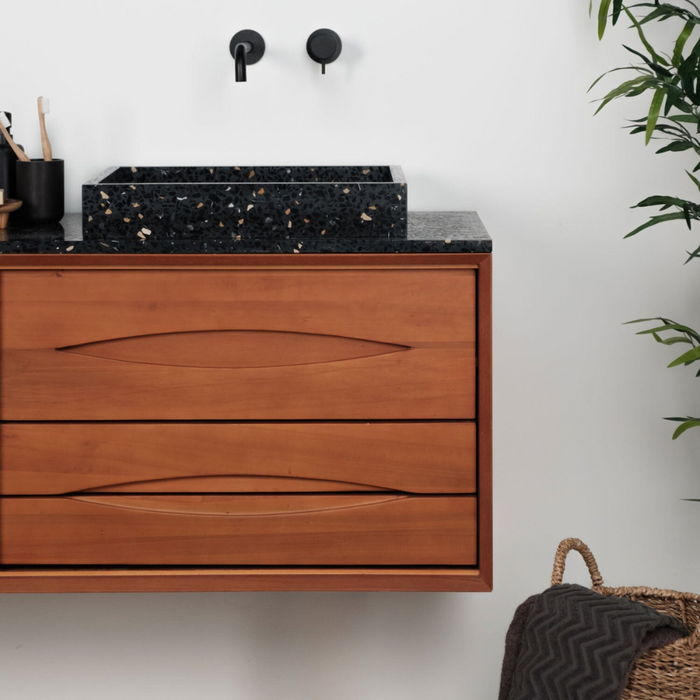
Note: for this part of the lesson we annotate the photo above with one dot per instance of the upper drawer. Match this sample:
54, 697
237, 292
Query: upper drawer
237, 345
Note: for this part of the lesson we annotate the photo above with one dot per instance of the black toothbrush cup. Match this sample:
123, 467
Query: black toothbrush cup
40, 186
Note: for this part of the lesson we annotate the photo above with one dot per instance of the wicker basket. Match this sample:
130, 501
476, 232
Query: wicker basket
671, 672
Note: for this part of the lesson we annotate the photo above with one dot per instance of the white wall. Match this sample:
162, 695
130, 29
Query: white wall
485, 106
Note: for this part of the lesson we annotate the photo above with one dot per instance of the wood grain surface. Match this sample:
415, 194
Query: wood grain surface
388, 344
295, 530
60, 458
289, 377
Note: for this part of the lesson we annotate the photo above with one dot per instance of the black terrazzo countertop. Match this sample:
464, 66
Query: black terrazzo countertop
428, 232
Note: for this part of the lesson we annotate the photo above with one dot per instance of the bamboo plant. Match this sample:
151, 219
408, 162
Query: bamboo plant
672, 80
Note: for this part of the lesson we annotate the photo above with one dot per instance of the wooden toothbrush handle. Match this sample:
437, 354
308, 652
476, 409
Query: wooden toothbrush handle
18, 151
45, 143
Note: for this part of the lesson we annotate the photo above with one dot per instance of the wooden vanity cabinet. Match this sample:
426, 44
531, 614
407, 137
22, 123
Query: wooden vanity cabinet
243, 422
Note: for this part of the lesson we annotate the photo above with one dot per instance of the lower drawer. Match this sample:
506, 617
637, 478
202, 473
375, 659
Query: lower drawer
255, 530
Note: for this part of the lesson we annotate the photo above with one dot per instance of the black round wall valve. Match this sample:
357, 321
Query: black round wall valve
324, 46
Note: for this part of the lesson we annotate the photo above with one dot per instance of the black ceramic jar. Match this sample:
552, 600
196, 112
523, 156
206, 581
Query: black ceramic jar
40, 186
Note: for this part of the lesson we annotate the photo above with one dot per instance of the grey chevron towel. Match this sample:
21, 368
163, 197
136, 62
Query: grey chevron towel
571, 643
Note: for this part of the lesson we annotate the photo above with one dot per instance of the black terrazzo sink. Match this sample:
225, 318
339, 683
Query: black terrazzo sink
247, 202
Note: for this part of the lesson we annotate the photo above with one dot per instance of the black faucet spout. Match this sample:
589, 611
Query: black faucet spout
247, 48
240, 55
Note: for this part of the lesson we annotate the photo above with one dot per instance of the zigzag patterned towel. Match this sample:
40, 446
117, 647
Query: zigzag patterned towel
571, 643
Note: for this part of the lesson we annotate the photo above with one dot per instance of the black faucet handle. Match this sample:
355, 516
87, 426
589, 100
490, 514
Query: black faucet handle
324, 46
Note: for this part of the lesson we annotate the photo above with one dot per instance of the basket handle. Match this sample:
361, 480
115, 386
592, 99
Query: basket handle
560, 562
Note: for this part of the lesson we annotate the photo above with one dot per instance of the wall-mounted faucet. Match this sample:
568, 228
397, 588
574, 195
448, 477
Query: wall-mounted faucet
324, 46
247, 48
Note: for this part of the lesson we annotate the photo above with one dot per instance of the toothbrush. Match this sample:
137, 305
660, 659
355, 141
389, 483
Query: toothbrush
4, 126
44, 109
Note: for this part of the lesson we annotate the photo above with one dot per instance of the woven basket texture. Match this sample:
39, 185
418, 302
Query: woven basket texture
671, 672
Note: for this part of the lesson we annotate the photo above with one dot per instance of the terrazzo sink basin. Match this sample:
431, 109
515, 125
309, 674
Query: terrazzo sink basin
247, 202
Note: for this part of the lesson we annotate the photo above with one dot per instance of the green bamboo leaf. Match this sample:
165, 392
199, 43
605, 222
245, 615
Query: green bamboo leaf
685, 426
671, 341
693, 255
658, 200
670, 326
673, 97
676, 147
660, 329
624, 88
675, 341
680, 43
642, 320
655, 220
660, 71
663, 12
654, 111
640, 89
684, 106
676, 133
686, 358
685, 329
617, 8
684, 118
655, 56
673, 129
638, 69
694, 179
626, 85
603, 17
688, 73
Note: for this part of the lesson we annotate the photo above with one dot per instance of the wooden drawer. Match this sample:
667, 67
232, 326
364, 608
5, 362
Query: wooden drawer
60, 458
237, 344
263, 530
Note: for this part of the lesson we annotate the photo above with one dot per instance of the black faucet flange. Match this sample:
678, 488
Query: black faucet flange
247, 47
